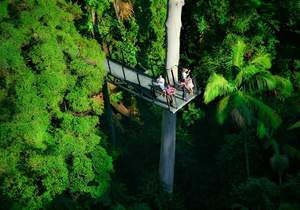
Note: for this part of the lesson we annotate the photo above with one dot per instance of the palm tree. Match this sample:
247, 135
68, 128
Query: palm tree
249, 77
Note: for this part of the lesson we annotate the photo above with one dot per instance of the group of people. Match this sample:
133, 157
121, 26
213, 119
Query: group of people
186, 83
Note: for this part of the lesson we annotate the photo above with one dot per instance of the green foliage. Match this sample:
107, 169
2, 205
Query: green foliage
238, 93
296, 125
116, 97
49, 139
217, 85
3, 9
263, 60
222, 109
202, 25
51, 145
238, 51
290, 192
192, 114
292, 152
257, 193
279, 163
151, 17
242, 24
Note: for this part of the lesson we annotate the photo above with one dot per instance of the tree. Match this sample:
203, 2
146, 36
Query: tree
168, 136
248, 79
49, 137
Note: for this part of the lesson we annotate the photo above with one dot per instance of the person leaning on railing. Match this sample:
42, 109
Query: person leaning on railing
161, 83
186, 82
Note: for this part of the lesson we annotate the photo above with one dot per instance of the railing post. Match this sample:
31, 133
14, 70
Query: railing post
123, 65
107, 59
195, 86
153, 90
175, 99
108, 66
168, 103
167, 77
138, 78
109, 55
174, 87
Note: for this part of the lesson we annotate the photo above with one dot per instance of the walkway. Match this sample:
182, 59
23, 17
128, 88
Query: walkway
144, 86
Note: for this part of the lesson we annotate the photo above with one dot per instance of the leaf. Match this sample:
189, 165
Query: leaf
222, 109
255, 79
296, 125
245, 74
216, 86
283, 86
292, 152
264, 81
262, 131
238, 53
238, 118
265, 113
263, 60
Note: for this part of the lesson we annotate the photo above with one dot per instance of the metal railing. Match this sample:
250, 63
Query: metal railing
170, 100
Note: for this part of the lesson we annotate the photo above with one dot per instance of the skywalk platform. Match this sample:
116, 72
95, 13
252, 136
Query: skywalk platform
144, 86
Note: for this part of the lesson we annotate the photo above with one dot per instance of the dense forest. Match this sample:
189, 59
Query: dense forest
70, 139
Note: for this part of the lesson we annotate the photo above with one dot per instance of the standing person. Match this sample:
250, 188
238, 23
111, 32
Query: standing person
185, 74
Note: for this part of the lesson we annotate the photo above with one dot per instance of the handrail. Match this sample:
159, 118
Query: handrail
139, 91
129, 67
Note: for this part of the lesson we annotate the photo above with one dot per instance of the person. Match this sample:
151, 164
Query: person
161, 82
170, 91
186, 82
185, 74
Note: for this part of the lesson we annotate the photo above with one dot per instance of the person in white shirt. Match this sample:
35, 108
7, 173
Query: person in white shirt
161, 82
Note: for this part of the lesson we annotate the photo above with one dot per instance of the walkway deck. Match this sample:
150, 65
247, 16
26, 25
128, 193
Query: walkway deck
144, 86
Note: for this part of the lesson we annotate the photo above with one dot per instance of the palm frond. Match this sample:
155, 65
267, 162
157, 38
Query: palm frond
292, 152
245, 74
263, 60
241, 104
265, 113
222, 109
296, 125
238, 117
216, 86
238, 52
283, 86
254, 79
265, 81
261, 130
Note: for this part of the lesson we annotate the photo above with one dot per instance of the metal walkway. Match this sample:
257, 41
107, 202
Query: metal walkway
144, 86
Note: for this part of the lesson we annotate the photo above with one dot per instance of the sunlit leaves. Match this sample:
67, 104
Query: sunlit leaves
222, 112
284, 86
238, 51
217, 85
49, 134
264, 112
296, 125
252, 79
263, 60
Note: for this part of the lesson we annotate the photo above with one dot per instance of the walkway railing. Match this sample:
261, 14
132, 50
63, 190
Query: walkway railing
142, 84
